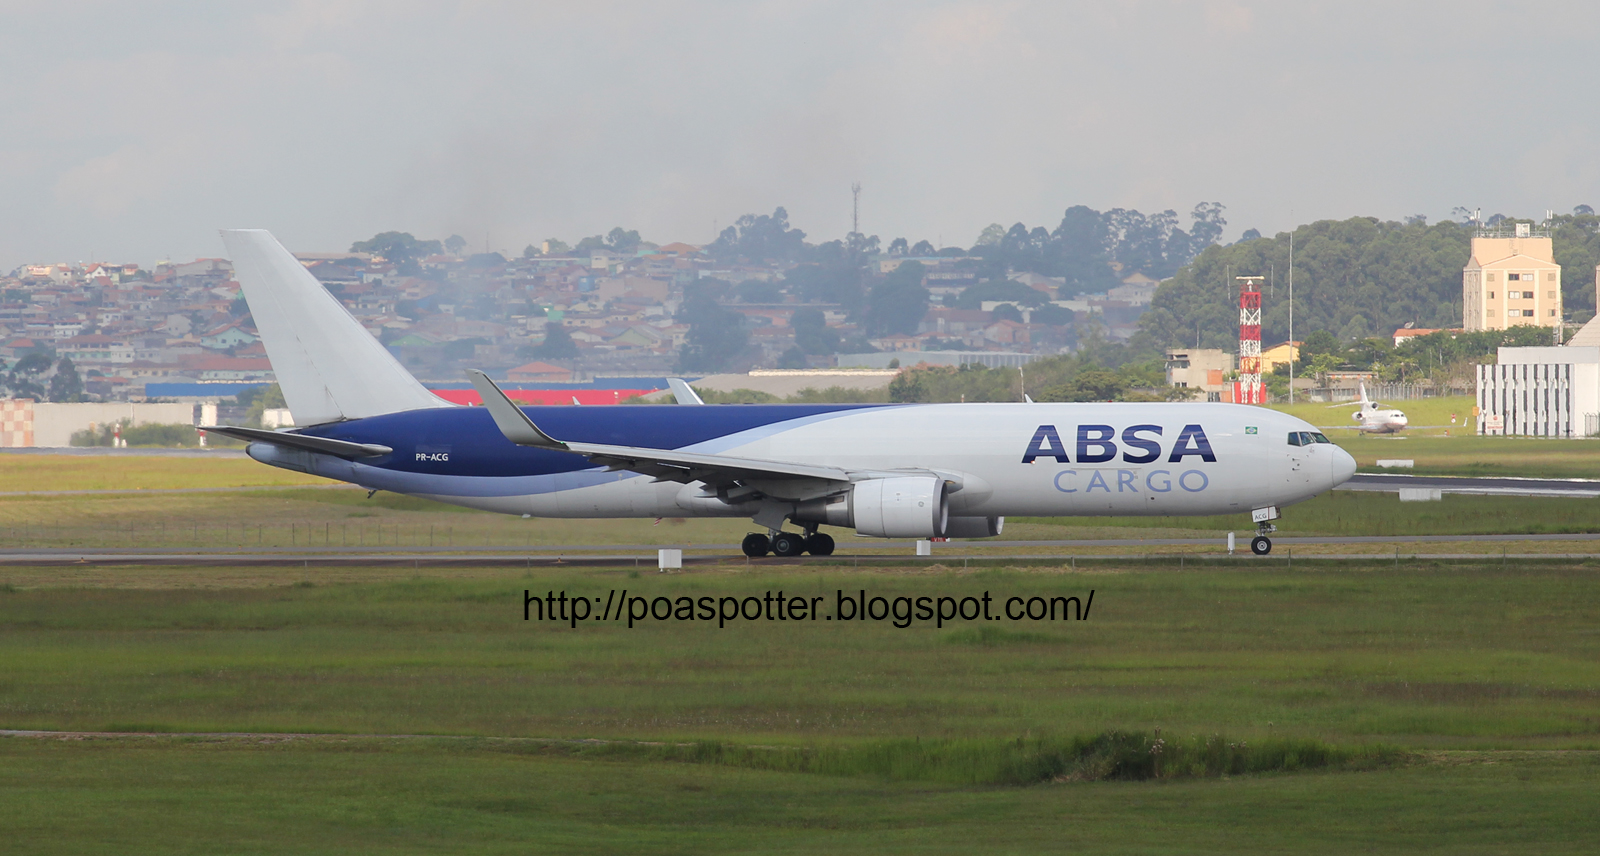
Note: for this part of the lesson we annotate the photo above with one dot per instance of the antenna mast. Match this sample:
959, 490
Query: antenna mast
855, 207
1294, 349
1248, 389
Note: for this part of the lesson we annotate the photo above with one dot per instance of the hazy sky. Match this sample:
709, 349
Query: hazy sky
132, 131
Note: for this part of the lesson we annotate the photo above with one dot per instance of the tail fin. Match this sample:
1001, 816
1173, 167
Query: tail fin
328, 365
1365, 403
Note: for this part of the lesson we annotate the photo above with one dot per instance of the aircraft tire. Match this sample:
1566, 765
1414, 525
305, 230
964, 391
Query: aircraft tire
820, 545
755, 545
1261, 545
788, 544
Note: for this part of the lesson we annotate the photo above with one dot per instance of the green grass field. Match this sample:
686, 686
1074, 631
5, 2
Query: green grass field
1431, 416
138, 472
1484, 680
1438, 448
145, 797
1396, 706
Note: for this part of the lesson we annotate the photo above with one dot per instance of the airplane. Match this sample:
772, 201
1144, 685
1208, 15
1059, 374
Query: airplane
1371, 420
885, 470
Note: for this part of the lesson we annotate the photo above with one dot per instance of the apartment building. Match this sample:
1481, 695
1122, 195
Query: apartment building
1511, 279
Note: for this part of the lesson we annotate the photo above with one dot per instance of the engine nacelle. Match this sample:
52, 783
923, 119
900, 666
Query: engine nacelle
974, 527
900, 507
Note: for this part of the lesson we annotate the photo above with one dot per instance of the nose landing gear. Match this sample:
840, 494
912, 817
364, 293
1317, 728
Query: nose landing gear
1261, 545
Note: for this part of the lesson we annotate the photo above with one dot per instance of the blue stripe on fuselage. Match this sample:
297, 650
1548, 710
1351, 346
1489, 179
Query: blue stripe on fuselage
475, 447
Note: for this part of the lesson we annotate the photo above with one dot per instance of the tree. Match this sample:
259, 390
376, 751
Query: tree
759, 291
717, 335
557, 344
973, 297
794, 358
761, 238
259, 400
1006, 312
1087, 384
455, 244
1319, 341
1207, 228
26, 377
1577, 249
835, 276
623, 241
899, 247
65, 385
400, 249
812, 335
34, 362
1387, 272
556, 246
1086, 241
923, 249
1052, 315
899, 302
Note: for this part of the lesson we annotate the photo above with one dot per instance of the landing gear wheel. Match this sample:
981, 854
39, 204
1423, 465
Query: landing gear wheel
755, 545
1261, 545
788, 544
820, 545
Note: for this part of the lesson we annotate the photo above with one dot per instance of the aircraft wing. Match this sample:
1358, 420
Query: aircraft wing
663, 464
682, 392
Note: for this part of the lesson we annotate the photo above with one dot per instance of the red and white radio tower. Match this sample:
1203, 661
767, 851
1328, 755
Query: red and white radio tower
1248, 389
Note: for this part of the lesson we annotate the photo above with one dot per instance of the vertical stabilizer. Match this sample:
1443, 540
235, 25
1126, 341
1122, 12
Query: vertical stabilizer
328, 365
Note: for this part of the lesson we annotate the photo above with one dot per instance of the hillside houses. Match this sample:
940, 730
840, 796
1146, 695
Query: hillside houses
185, 322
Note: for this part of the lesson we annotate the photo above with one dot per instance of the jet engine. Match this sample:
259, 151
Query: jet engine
899, 507
974, 527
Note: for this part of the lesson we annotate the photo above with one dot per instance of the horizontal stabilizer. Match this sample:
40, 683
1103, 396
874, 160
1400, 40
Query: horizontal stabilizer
337, 448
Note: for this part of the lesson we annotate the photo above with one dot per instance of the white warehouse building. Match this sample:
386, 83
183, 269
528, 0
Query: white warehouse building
1545, 391
1541, 392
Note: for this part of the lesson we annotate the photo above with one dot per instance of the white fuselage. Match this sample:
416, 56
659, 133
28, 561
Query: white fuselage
1095, 459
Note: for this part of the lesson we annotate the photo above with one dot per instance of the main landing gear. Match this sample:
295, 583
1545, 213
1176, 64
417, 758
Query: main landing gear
781, 543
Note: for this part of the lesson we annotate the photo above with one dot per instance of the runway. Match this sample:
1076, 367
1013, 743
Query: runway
1500, 486
875, 551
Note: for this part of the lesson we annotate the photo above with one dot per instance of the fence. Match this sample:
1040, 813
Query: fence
1393, 391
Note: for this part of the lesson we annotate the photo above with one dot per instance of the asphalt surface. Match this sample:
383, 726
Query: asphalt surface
1393, 483
644, 555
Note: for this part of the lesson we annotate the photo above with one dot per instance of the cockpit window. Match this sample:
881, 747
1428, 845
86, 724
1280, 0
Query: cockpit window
1307, 438
1319, 437
1297, 438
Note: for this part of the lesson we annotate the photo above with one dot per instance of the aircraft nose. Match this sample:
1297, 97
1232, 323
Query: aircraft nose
1344, 466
